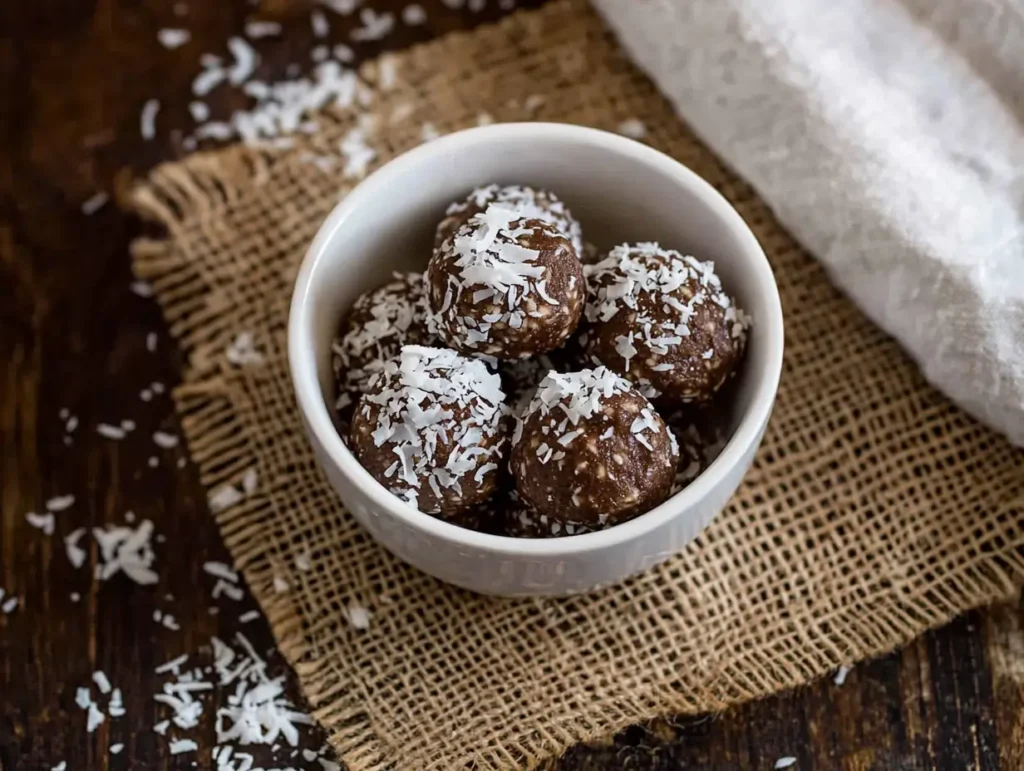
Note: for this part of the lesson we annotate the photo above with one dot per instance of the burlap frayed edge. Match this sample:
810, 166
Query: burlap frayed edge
206, 182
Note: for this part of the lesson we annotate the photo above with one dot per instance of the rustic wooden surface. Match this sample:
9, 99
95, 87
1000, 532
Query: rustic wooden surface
73, 77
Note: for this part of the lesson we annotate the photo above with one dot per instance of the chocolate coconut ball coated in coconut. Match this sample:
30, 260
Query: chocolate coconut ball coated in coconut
432, 430
528, 202
506, 287
591, 451
380, 323
663, 321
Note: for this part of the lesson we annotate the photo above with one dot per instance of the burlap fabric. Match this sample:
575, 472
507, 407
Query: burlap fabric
874, 511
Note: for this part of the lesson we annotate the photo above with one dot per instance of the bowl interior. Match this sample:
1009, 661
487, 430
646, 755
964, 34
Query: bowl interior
618, 189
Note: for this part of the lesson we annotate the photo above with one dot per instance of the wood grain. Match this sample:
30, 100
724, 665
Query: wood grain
73, 78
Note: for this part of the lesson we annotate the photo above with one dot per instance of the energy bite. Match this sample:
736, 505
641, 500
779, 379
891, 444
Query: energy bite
662, 320
528, 202
591, 450
505, 286
431, 429
380, 323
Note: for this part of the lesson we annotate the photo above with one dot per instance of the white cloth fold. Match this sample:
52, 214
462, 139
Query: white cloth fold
888, 137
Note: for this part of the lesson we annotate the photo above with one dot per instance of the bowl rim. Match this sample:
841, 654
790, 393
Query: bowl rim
313, 404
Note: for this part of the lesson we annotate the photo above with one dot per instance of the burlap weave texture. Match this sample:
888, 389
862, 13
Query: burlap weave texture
874, 510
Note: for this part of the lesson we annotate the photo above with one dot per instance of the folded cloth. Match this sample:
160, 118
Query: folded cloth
888, 136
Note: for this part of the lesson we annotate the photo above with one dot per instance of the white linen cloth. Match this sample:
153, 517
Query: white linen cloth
888, 137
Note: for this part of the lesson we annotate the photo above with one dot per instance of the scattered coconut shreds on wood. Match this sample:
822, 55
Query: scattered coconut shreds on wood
251, 708
785, 762
10, 604
151, 340
255, 30
141, 288
375, 25
94, 203
45, 522
127, 550
115, 749
173, 38
413, 15
632, 128
841, 673
60, 502
62, 766
147, 118
249, 616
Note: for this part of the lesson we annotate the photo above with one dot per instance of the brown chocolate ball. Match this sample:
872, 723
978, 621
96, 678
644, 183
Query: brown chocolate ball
521, 521
431, 429
663, 321
591, 450
506, 287
528, 202
380, 323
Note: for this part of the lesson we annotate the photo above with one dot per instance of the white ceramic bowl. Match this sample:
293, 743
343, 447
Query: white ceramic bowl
620, 190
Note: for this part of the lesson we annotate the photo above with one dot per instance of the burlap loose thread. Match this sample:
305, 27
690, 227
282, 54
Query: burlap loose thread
874, 510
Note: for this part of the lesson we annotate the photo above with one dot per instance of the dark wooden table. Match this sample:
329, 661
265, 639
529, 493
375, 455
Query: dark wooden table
74, 75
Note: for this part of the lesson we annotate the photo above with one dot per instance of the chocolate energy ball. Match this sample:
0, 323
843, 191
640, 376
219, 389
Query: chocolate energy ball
528, 202
506, 287
663, 321
380, 323
590, 450
523, 522
432, 429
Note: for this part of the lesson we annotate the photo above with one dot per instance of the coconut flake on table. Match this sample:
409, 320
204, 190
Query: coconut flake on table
785, 762
841, 673
60, 502
220, 570
147, 118
165, 440
141, 288
341, 7
413, 15
374, 25
94, 203
45, 522
9, 605
173, 38
75, 553
255, 30
100, 678
318, 22
357, 616
249, 616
